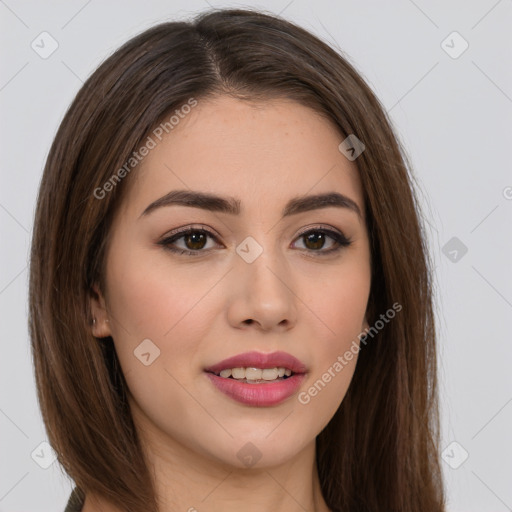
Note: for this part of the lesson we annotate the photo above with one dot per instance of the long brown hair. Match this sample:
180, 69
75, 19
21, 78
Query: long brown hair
380, 450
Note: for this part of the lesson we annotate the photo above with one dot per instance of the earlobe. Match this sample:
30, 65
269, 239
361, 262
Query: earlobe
100, 325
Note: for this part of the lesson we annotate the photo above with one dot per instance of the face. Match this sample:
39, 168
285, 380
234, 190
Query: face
253, 281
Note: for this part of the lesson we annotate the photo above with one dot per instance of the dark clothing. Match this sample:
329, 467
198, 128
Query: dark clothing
76, 501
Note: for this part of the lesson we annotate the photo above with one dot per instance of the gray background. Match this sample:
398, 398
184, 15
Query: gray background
453, 114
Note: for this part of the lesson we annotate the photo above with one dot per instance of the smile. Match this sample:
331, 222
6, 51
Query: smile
256, 375
258, 379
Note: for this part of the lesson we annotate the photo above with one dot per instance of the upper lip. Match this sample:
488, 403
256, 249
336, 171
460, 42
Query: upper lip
260, 360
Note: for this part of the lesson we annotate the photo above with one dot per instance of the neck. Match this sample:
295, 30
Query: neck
190, 481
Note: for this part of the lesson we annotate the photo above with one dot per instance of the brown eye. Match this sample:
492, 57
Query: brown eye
314, 241
193, 240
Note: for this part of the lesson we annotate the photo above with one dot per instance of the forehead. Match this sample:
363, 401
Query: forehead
262, 152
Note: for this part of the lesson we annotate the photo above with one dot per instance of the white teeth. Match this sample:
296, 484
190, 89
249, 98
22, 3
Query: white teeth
270, 374
238, 373
253, 375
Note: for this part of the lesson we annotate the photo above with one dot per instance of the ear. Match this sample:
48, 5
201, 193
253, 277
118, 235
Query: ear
100, 318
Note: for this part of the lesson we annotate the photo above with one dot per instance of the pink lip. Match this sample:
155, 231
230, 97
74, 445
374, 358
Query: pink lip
260, 360
258, 395
262, 394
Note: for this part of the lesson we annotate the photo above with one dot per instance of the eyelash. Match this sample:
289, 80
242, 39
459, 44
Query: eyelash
340, 239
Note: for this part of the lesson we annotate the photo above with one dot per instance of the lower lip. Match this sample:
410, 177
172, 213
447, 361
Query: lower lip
259, 395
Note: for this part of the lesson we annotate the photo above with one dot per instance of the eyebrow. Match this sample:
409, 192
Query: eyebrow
232, 206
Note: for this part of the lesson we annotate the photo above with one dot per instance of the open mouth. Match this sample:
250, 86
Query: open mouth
252, 375
263, 383
258, 379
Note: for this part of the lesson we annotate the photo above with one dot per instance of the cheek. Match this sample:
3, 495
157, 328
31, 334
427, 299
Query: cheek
339, 316
158, 321
339, 304
150, 301
152, 298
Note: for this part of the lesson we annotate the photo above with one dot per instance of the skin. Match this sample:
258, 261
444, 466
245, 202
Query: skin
194, 308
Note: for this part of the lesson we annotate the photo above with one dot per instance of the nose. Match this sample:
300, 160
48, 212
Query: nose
262, 295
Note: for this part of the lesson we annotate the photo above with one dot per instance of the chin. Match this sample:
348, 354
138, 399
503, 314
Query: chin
257, 451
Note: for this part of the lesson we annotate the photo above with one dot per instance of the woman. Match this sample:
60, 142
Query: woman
230, 292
